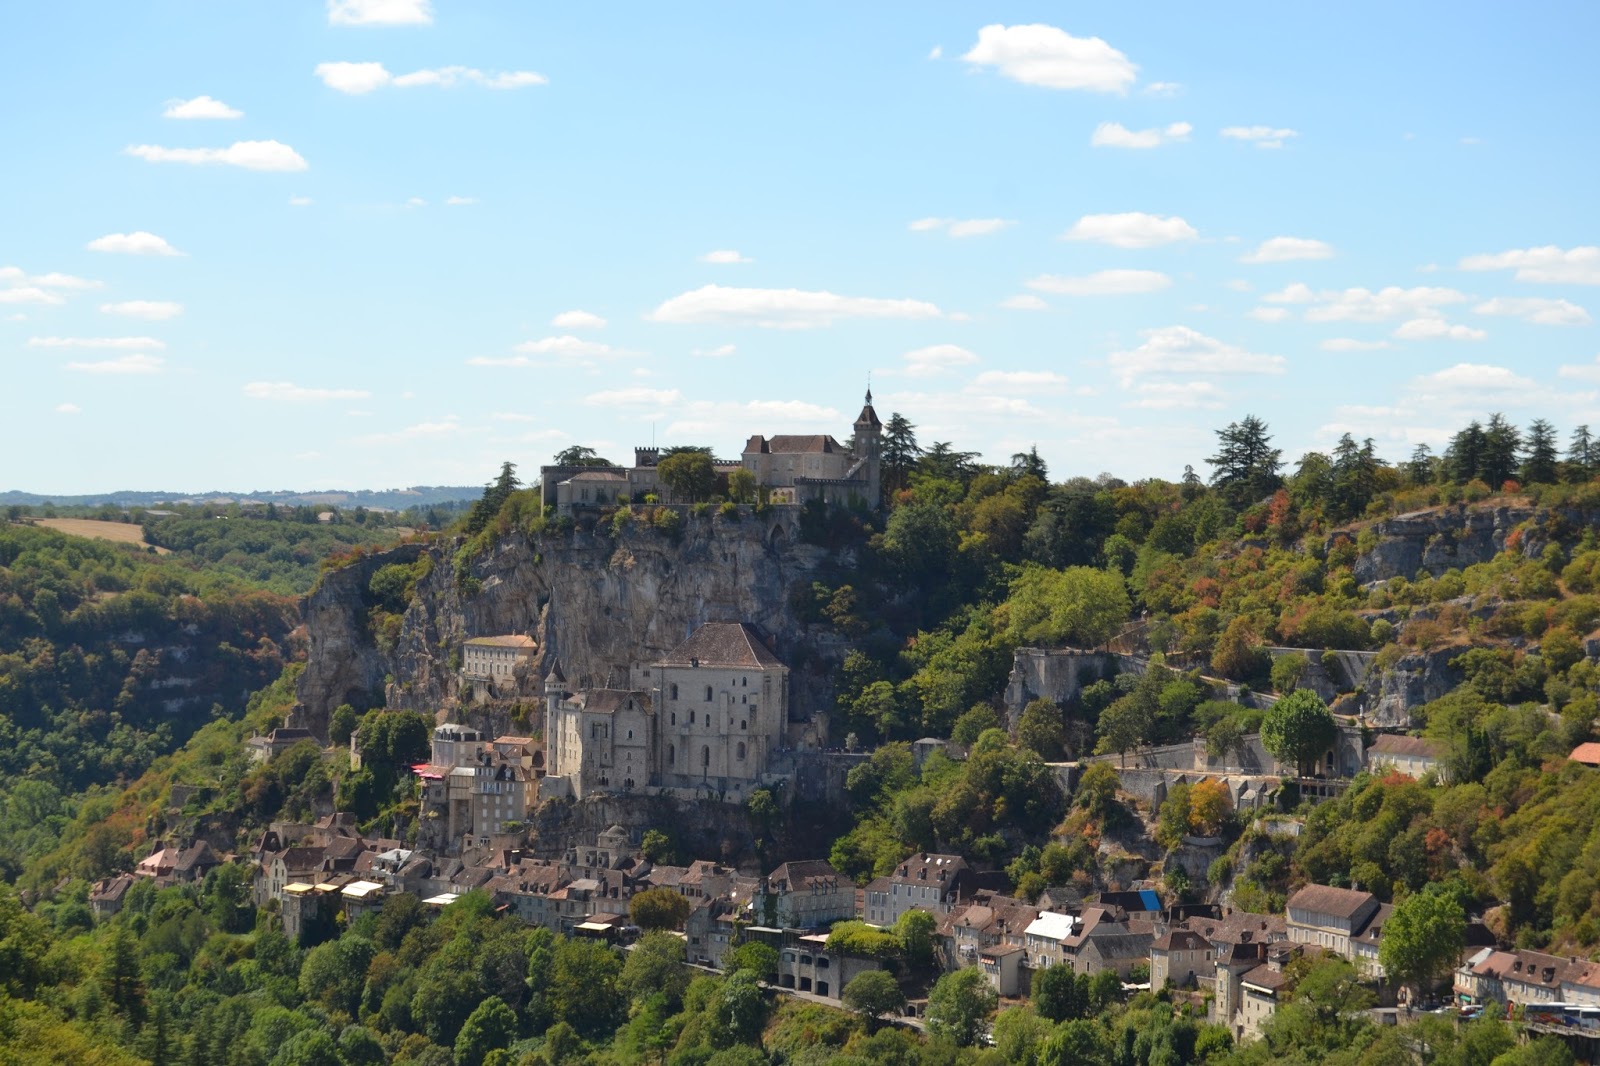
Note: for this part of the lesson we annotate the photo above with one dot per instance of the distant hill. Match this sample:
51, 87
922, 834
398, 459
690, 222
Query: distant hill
391, 499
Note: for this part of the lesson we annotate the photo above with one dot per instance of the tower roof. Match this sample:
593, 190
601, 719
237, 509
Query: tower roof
868, 417
555, 676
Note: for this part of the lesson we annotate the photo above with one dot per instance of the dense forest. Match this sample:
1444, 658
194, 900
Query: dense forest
966, 563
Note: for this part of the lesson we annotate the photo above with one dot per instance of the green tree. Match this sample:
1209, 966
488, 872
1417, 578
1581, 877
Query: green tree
583, 986
916, 929
740, 1010
872, 995
688, 474
760, 959
960, 1005
1077, 1043
1041, 729
314, 1047
342, 723
1583, 455
900, 452
1298, 729
655, 966
742, 486
1246, 466
1539, 462
973, 724
1287, 670
119, 976
1422, 938
658, 908
492, 1025
577, 455
333, 973
1124, 725
1059, 994
494, 497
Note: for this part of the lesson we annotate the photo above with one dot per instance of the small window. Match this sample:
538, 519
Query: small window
674, 717
740, 751
674, 691
705, 756
672, 754
743, 724
708, 693
691, 718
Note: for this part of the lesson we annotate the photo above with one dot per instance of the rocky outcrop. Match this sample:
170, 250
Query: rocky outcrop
1439, 539
598, 603
1390, 695
343, 664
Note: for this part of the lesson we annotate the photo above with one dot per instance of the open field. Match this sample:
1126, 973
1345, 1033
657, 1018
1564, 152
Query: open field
121, 532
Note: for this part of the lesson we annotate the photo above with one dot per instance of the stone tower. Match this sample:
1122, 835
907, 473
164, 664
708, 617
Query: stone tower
554, 688
867, 445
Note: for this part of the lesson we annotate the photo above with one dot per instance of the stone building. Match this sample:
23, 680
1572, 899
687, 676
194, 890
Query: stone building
472, 788
491, 664
1330, 918
926, 881
598, 741
791, 469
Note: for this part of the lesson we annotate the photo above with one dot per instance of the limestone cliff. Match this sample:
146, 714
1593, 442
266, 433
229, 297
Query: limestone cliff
598, 603
1441, 539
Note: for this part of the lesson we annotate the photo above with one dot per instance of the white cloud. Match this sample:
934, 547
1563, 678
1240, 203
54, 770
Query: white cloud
633, 397
1165, 89
299, 201
124, 343
460, 201
200, 107
30, 294
1350, 344
150, 310
936, 359
1434, 328
1181, 350
1260, 136
962, 227
1174, 395
721, 351
448, 426
704, 418
136, 243
251, 155
724, 256
127, 364
1102, 283
566, 345
1536, 309
578, 320
1024, 302
64, 281
1547, 265
1285, 249
782, 308
353, 78
1131, 229
68, 409
359, 78
1268, 314
1473, 385
1584, 372
958, 407
1295, 293
937, 52
416, 201
1116, 135
291, 393
1029, 381
1050, 57
1364, 305
380, 12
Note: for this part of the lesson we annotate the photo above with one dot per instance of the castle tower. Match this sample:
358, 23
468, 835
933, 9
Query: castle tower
554, 688
867, 444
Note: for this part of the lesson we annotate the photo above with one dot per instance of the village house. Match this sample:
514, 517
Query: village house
806, 964
1180, 956
105, 899
1330, 918
808, 894
1414, 756
263, 748
925, 881
1527, 978
1107, 939
472, 789
1045, 937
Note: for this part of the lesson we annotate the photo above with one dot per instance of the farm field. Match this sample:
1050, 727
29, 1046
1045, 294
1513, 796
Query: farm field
121, 532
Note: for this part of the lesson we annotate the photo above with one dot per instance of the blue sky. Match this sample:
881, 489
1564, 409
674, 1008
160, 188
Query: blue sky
399, 241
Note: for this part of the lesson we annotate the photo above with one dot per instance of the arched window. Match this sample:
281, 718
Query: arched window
672, 754
705, 756
691, 718
674, 717
674, 691
739, 752
743, 724
708, 693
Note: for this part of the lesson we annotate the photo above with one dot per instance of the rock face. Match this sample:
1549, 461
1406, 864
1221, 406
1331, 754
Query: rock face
1439, 539
1421, 677
596, 603
343, 664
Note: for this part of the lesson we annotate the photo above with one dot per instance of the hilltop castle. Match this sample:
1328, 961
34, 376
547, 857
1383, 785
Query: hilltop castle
790, 469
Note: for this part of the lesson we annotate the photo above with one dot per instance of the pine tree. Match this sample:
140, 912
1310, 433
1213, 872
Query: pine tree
120, 978
1246, 466
1029, 463
900, 452
1419, 468
1539, 465
1502, 451
1581, 455
1463, 460
494, 497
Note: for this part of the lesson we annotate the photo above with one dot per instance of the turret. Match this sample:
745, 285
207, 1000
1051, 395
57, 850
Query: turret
867, 445
555, 686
